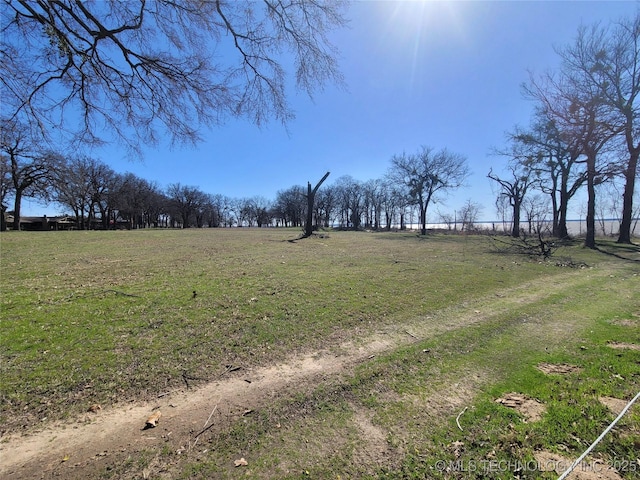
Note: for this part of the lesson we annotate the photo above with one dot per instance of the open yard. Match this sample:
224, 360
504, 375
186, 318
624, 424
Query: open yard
345, 355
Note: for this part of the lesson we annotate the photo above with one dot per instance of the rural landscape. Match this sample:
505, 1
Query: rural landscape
394, 328
257, 354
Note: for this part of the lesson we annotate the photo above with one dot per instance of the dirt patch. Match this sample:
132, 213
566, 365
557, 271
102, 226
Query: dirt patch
625, 322
376, 449
530, 408
614, 404
594, 469
624, 346
67, 452
562, 368
443, 400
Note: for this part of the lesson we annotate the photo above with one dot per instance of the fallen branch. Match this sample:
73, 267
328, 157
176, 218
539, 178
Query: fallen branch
544, 248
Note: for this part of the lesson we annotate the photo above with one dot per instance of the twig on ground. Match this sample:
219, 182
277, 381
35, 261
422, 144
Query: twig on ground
458, 418
95, 294
186, 378
410, 334
230, 368
117, 292
186, 381
205, 427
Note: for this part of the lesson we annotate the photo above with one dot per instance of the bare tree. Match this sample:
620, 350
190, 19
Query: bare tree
290, 206
5, 188
186, 201
394, 201
30, 171
426, 174
375, 196
447, 218
469, 214
83, 185
601, 70
608, 60
137, 201
350, 194
103, 182
502, 209
259, 211
556, 159
514, 190
536, 209
222, 210
579, 114
325, 204
140, 66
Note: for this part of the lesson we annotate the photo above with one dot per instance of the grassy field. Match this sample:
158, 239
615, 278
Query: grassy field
110, 317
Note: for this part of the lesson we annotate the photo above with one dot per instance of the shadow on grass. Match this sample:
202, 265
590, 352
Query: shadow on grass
408, 235
622, 251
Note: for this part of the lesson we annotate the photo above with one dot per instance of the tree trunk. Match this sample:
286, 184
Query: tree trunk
104, 216
355, 218
627, 199
515, 229
423, 220
3, 222
311, 196
555, 229
562, 231
590, 239
16, 210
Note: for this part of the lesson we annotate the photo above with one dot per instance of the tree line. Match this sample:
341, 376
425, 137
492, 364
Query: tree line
99, 197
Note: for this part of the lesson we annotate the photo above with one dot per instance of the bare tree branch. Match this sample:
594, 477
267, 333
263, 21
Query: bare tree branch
138, 68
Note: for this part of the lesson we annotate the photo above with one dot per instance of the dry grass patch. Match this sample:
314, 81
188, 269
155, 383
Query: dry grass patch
624, 346
453, 392
625, 322
374, 449
562, 368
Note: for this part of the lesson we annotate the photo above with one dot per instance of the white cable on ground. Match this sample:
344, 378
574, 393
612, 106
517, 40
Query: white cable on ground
591, 447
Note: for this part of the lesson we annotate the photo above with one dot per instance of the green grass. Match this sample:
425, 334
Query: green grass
105, 317
402, 393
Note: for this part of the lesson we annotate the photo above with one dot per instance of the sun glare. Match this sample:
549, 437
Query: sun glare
431, 18
421, 29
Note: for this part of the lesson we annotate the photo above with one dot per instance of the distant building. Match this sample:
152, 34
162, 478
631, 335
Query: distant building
43, 223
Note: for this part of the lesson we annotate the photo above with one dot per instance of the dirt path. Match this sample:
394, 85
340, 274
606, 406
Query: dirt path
80, 448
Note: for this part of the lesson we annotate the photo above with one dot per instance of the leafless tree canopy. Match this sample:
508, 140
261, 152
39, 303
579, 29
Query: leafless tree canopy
514, 190
140, 67
428, 173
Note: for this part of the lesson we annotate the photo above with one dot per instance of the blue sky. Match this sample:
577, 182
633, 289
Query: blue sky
442, 74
